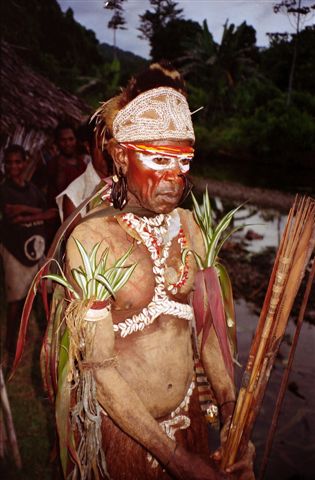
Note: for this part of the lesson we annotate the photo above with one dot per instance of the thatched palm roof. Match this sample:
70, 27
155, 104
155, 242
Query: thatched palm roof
31, 101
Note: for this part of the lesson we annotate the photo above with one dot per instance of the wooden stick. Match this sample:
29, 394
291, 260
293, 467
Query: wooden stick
285, 378
5, 405
293, 253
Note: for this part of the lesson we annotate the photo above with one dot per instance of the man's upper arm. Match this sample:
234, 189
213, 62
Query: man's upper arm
88, 236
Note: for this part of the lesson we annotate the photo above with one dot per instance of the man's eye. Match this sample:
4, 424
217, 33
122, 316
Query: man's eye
161, 160
185, 161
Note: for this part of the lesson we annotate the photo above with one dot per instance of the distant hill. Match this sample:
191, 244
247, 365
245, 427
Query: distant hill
130, 63
55, 45
51, 41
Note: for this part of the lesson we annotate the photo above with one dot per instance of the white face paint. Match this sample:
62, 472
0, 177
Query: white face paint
160, 162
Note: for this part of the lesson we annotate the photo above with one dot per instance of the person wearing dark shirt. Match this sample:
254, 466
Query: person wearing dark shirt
23, 213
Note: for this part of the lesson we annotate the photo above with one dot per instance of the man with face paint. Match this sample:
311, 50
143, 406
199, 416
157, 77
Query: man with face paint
142, 357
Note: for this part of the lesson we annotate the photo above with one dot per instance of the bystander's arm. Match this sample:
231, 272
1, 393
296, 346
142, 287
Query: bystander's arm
40, 215
13, 210
67, 206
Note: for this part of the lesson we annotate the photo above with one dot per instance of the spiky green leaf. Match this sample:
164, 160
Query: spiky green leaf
124, 277
92, 256
65, 283
107, 284
85, 259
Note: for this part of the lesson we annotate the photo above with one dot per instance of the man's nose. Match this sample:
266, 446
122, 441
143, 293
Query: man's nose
173, 172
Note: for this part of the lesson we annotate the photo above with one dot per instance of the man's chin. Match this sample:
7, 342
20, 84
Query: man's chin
165, 206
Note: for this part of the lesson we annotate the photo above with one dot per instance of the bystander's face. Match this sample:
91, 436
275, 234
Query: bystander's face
67, 142
15, 166
157, 181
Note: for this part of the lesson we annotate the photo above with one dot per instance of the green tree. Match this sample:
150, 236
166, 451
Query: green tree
219, 67
276, 60
164, 11
182, 31
51, 41
298, 11
117, 22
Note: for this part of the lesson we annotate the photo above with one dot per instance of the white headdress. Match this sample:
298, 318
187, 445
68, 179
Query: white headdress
158, 114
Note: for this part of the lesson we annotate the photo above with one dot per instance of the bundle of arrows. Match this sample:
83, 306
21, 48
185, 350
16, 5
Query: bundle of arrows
293, 259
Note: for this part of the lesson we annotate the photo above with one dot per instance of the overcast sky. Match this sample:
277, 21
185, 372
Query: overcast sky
258, 13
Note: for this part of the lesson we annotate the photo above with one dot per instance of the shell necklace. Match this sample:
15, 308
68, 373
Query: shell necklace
156, 235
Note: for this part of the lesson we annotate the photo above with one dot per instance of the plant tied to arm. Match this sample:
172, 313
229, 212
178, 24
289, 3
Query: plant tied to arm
93, 284
93, 279
213, 297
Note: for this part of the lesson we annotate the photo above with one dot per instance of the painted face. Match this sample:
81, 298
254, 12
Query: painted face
156, 179
159, 162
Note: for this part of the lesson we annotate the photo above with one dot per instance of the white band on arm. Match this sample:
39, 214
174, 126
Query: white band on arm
95, 315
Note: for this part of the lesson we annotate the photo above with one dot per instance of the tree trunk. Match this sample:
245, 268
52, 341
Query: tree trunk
115, 48
294, 57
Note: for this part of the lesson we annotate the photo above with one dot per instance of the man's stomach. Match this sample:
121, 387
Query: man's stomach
158, 363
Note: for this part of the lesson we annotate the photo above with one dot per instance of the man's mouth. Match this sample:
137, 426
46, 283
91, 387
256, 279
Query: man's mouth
169, 193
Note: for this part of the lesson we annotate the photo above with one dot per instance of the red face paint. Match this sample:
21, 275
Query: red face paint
157, 190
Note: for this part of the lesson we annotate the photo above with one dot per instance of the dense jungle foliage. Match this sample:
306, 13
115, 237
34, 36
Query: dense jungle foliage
243, 88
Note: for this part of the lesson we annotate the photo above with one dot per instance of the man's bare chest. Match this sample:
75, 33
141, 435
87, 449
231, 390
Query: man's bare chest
139, 290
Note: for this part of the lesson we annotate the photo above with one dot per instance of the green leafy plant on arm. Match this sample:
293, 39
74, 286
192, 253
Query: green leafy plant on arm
213, 297
214, 236
93, 280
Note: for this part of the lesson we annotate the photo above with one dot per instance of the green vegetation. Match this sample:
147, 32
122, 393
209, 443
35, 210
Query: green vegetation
32, 413
64, 51
259, 103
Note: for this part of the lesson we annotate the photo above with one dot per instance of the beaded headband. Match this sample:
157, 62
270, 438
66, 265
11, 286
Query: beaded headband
158, 114
165, 150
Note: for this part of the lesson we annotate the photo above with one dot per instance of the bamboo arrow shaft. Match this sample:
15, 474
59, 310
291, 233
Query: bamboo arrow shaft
285, 378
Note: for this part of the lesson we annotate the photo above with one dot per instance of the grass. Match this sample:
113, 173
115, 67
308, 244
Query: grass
31, 411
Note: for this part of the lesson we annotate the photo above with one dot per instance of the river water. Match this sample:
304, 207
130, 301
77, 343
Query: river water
293, 452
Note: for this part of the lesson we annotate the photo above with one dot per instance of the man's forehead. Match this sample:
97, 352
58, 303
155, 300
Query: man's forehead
166, 149
66, 132
14, 156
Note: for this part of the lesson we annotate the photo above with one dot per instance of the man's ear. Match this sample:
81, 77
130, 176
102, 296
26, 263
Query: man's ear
119, 156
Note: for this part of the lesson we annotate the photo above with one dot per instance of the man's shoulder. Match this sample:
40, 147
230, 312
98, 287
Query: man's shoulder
99, 222
190, 228
97, 229
186, 216
75, 186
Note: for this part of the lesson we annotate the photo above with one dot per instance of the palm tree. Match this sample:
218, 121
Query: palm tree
117, 22
219, 67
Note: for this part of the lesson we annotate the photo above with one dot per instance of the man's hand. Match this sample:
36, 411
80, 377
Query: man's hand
243, 468
184, 465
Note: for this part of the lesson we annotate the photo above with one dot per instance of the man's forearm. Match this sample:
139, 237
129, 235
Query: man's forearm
218, 377
120, 400
125, 407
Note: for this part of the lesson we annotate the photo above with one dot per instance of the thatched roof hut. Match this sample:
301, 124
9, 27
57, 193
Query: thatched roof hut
32, 106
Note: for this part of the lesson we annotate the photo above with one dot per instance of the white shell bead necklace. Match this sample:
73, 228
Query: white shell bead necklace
153, 233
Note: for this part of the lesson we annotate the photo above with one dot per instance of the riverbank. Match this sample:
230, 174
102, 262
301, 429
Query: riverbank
236, 192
